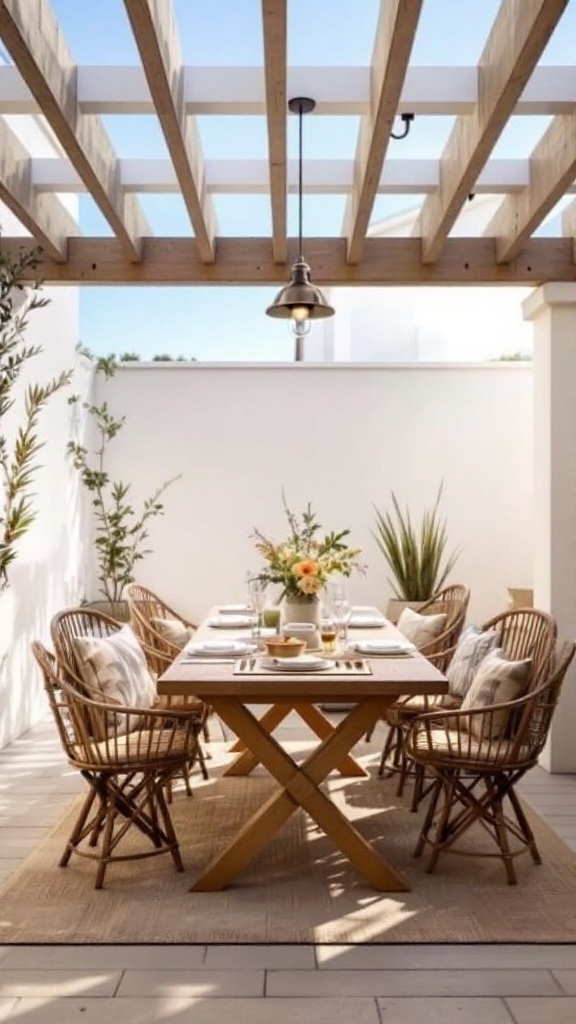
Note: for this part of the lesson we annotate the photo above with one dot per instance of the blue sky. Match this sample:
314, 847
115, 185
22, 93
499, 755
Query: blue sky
230, 323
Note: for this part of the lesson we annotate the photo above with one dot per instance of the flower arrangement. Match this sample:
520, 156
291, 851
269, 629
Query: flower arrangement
303, 563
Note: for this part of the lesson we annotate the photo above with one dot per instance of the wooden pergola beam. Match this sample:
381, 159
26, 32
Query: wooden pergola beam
44, 215
249, 261
397, 25
552, 170
155, 34
274, 26
519, 35
34, 40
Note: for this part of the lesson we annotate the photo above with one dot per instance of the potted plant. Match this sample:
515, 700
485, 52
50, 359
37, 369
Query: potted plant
121, 529
19, 457
416, 554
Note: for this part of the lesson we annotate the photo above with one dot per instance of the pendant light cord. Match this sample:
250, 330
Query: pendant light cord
300, 183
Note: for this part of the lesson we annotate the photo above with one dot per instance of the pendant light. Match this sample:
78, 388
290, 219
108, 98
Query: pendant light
300, 301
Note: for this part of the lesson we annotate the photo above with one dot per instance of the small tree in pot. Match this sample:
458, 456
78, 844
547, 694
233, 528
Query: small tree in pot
415, 553
121, 529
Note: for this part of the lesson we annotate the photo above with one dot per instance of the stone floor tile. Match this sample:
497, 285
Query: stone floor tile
8, 1009
494, 956
567, 981
444, 1011
192, 1011
292, 957
403, 983
561, 1010
198, 983
120, 958
56, 983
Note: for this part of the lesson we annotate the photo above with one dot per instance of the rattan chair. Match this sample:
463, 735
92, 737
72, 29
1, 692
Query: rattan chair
453, 601
147, 614
70, 623
127, 757
477, 758
522, 633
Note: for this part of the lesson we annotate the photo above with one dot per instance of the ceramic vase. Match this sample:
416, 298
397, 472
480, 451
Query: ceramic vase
301, 609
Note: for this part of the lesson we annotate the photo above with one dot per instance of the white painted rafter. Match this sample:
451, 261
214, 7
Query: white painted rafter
427, 91
245, 177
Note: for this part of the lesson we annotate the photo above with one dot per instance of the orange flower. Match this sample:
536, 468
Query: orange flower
306, 568
309, 584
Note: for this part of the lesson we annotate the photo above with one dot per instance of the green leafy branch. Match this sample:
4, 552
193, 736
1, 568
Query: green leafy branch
121, 530
18, 460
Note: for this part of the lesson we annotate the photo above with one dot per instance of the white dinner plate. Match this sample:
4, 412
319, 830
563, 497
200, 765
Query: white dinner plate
217, 647
367, 621
229, 621
304, 663
394, 648
233, 609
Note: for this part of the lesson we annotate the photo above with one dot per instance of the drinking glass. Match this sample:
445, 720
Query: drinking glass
257, 601
328, 635
342, 613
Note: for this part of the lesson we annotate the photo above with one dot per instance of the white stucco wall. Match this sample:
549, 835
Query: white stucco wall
340, 437
46, 575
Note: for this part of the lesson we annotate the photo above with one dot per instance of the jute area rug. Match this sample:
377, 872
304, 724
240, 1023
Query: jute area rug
298, 890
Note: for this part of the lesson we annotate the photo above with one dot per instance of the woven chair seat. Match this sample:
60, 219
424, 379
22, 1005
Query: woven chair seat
443, 744
138, 748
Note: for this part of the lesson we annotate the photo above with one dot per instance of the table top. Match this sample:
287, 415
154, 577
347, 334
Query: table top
404, 675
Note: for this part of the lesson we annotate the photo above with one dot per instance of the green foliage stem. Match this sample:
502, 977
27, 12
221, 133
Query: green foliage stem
121, 529
19, 459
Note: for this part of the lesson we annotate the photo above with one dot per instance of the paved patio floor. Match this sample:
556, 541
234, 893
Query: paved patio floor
485, 984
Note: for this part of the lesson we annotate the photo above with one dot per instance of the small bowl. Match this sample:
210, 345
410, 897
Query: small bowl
281, 647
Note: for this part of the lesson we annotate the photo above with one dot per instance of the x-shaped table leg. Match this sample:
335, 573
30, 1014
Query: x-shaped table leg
309, 713
299, 788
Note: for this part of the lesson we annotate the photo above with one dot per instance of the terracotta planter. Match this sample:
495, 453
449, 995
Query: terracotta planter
115, 609
521, 597
396, 607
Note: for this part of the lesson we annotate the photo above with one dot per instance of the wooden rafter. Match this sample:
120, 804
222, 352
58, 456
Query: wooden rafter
155, 33
518, 37
249, 261
569, 225
394, 38
552, 170
42, 214
274, 30
33, 38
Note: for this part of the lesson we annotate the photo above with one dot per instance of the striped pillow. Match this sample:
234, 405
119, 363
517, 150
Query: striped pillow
114, 669
472, 647
497, 681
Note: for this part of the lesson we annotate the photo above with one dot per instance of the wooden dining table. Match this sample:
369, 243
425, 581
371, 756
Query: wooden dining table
237, 697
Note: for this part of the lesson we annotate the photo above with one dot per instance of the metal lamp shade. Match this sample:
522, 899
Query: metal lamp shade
300, 294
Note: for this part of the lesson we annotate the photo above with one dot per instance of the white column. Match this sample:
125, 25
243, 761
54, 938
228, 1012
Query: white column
552, 309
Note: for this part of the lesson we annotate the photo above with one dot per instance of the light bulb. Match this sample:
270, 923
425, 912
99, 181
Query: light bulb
300, 313
300, 328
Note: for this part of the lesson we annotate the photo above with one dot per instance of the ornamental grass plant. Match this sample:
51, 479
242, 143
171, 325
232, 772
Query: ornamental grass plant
416, 553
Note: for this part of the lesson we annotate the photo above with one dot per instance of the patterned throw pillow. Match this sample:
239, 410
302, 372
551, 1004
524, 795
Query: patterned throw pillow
173, 630
421, 629
115, 668
472, 647
497, 681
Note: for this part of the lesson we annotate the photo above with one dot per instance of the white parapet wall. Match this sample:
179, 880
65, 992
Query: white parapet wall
341, 437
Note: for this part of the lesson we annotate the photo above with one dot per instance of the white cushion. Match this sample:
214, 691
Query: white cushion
173, 630
497, 681
472, 647
421, 629
114, 667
